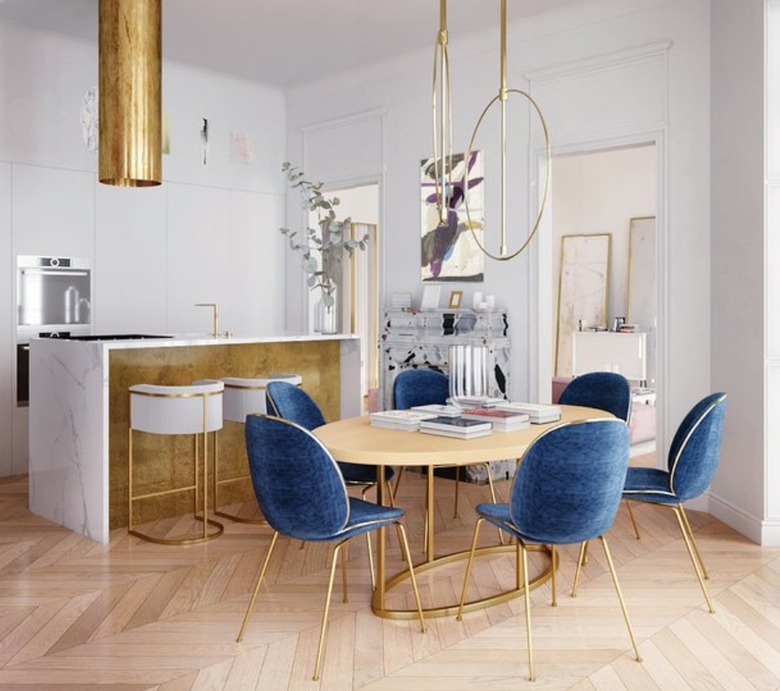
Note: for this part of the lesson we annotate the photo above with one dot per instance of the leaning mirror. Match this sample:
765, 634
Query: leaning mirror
582, 292
642, 284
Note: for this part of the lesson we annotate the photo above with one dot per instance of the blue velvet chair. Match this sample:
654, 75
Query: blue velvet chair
566, 490
606, 391
414, 387
603, 390
691, 465
303, 496
293, 403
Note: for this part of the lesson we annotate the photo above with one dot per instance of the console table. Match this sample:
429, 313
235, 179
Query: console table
422, 338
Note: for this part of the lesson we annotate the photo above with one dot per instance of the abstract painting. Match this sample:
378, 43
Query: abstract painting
449, 252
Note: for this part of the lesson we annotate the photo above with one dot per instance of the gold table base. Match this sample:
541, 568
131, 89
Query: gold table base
470, 606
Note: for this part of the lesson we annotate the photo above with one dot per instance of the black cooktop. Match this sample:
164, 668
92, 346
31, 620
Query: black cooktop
112, 337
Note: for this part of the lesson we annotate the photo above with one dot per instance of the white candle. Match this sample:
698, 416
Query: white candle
477, 298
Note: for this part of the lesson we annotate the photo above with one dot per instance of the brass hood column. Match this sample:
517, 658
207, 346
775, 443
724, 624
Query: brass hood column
130, 72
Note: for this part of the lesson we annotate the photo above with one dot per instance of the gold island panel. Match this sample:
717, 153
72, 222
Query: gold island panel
164, 462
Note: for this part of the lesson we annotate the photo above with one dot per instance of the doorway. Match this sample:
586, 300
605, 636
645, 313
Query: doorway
604, 271
358, 287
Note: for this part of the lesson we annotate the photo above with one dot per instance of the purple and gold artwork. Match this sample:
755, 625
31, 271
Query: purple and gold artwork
449, 252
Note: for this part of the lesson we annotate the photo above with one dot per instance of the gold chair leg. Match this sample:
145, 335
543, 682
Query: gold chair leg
397, 482
257, 585
457, 490
695, 563
580, 564
493, 498
693, 542
470, 562
554, 565
344, 558
408, 557
371, 562
633, 520
324, 625
620, 598
527, 596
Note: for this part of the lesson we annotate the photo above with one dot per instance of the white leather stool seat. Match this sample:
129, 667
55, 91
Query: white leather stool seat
247, 396
176, 409
171, 410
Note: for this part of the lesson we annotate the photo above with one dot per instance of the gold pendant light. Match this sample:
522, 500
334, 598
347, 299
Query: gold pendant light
130, 77
503, 93
442, 119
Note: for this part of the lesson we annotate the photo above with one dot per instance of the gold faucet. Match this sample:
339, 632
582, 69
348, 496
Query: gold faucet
215, 316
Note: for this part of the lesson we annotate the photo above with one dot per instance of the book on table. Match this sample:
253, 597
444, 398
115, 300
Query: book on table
456, 427
502, 420
408, 420
475, 401
439, 409
538, 413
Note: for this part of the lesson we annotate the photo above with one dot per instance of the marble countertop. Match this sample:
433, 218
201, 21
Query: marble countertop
179, 340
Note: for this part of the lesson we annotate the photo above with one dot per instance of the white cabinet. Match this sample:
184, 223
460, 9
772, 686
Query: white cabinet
608, 351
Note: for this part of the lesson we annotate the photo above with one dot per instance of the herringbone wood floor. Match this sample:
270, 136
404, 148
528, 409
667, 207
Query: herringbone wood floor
131, 615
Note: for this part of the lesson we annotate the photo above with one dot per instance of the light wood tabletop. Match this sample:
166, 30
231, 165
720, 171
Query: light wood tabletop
354, 440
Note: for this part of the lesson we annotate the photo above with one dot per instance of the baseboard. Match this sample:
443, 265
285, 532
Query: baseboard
751, 527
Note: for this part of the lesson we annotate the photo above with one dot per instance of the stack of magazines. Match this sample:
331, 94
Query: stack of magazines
502, 420
408, 420
458, 427
538, 413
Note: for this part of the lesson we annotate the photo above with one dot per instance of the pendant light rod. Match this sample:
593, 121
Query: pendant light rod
501, 98
442, 118
502, 93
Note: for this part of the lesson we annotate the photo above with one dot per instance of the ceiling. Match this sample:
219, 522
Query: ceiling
284, 42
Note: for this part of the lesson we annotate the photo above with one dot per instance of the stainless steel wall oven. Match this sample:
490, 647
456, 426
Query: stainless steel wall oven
53, 299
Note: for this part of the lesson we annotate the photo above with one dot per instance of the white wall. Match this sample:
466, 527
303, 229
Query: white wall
737, 284
596, 193
209, 233
604, 72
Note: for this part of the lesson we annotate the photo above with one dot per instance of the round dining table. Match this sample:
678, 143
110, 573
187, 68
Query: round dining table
354, 440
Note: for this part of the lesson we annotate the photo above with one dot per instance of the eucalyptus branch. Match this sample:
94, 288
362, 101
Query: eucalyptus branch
322, 248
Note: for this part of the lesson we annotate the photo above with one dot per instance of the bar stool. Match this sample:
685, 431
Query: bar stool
173, 410
244, 397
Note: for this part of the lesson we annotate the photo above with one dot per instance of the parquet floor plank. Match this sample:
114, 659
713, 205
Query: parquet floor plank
133, 616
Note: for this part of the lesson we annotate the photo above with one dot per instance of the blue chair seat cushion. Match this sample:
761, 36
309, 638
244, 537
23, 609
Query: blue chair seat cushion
498, 515
363, 517
362, 474
649, 484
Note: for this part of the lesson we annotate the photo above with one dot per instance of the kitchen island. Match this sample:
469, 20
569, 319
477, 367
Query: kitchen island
79, 411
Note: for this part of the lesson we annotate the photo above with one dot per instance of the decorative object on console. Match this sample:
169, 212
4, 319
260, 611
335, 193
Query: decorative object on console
430, 297
130, 77
456, 299
501, 98
322, 249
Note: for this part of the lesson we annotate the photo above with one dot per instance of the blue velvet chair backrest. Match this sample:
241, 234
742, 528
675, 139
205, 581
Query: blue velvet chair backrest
297, 483
570, 481
603, 390
695, 449
420, 387
293, 403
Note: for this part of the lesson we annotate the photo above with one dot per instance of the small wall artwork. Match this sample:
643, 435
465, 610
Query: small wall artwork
242, 148
449, 252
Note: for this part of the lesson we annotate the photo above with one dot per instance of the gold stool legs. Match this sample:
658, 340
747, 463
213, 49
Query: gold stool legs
207, 522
